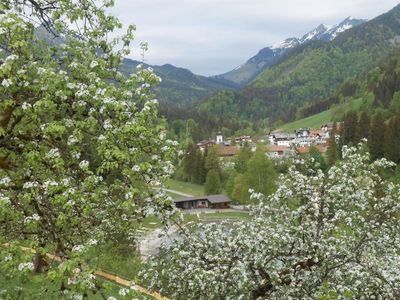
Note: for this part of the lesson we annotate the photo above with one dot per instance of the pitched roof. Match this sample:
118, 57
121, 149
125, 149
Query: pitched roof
227, 150
315, 132
276, 148
213, 199
205, 142
283, 135
305, 150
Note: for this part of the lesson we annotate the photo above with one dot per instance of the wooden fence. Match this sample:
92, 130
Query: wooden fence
105, 275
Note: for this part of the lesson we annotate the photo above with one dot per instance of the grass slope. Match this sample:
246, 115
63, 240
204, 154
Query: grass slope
316, 121
185, 187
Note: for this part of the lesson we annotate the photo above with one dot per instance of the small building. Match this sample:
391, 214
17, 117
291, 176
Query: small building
275, 151
305, 150
281, 138
212, 201
227, 151
243, 139
302, 132
203, 145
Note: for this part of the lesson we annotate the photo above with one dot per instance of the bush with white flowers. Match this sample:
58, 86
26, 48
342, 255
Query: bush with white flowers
76, 136
333, 235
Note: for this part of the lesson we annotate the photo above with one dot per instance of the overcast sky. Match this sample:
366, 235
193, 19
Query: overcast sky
214, 36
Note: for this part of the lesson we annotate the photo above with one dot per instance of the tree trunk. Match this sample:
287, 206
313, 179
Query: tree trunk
39, 263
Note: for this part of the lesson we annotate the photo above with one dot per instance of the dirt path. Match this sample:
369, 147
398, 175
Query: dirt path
178, 193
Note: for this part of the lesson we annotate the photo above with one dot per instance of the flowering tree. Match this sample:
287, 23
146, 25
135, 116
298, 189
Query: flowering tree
333, 235
81, 145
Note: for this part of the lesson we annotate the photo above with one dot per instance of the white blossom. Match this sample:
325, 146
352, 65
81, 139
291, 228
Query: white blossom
94, 64
5, 181
84, 164
78, 248
25, 266
71, 85
8, 258
26, 106
6, 82
92, 242
335, 232
53, 153
136, 168
123, 292
11, 58
30, 184
107, 124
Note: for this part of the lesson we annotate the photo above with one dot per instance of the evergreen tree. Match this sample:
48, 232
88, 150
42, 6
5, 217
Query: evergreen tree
178, 128
349, 130
363, 126
199, 171
395, 104
196, 171
392, 140
212, 160
333, 148
189, 161
242, 158
376, 136
213, 183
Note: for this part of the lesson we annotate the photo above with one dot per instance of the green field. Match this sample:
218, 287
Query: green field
185, 187
174, 196
316, 121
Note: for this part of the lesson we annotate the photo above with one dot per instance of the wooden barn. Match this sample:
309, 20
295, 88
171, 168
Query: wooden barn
212, 201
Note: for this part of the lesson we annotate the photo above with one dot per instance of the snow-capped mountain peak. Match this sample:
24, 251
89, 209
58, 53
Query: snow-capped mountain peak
269, 55
286, 44
346, 24
321, 33
316, 33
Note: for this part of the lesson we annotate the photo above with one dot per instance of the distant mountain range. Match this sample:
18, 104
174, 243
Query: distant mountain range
179, 86
269, 56
284, 79
307, 76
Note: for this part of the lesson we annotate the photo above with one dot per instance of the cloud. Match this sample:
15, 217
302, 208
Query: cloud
214, 36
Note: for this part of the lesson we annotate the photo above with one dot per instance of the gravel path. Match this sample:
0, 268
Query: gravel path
178, 193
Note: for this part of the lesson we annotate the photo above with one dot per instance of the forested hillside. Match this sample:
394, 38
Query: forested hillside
179, 86
271, 55
311, 74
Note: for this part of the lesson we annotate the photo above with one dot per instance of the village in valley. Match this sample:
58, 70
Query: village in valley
277, 143
177, 166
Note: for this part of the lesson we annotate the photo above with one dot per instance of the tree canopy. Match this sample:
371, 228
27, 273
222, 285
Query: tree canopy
81, 145
328, 236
